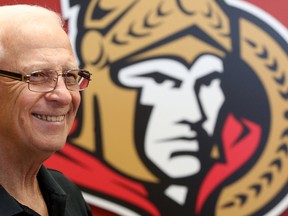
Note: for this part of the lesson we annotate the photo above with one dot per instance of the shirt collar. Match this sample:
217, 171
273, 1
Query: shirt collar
47, 182
8, 205
53, 194
51, 191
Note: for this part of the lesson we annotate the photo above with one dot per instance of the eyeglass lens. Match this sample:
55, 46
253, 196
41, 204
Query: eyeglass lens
46, 80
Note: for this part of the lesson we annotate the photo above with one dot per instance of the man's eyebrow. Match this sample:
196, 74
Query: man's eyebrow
43, 65
71, 66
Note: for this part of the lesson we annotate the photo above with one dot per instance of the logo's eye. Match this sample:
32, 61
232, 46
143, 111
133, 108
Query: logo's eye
161, 78
206, 80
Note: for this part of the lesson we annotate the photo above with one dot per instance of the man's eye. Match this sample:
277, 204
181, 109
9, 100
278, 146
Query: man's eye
161, 78
40, 76
72, 78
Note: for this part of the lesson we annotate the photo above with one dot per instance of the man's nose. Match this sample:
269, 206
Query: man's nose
61, 93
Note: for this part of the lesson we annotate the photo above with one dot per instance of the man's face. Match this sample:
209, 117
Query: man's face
31, 121
184, 101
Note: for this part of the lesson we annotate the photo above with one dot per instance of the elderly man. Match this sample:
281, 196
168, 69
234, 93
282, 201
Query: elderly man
39, 85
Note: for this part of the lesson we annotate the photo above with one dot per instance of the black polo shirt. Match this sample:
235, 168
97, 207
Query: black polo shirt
62, 197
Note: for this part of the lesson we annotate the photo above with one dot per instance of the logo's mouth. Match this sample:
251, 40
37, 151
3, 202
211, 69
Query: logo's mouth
184, 138
184, 153
50, 118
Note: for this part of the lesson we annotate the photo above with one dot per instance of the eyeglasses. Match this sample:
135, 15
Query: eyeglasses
46, 80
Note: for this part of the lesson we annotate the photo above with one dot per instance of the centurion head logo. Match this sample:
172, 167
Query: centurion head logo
187, 111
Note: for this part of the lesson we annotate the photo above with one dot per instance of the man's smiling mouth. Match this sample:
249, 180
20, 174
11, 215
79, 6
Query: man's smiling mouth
50, 118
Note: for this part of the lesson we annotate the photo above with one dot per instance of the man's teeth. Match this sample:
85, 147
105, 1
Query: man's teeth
50, 118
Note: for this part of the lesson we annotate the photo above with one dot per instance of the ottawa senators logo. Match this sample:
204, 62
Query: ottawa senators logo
187, 112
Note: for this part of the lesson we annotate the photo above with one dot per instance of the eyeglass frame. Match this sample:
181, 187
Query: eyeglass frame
26, 78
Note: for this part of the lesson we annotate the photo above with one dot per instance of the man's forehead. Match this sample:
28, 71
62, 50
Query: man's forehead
40, 45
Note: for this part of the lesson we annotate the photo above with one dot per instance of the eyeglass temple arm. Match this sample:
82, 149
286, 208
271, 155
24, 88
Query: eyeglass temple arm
16, 76
85, 74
